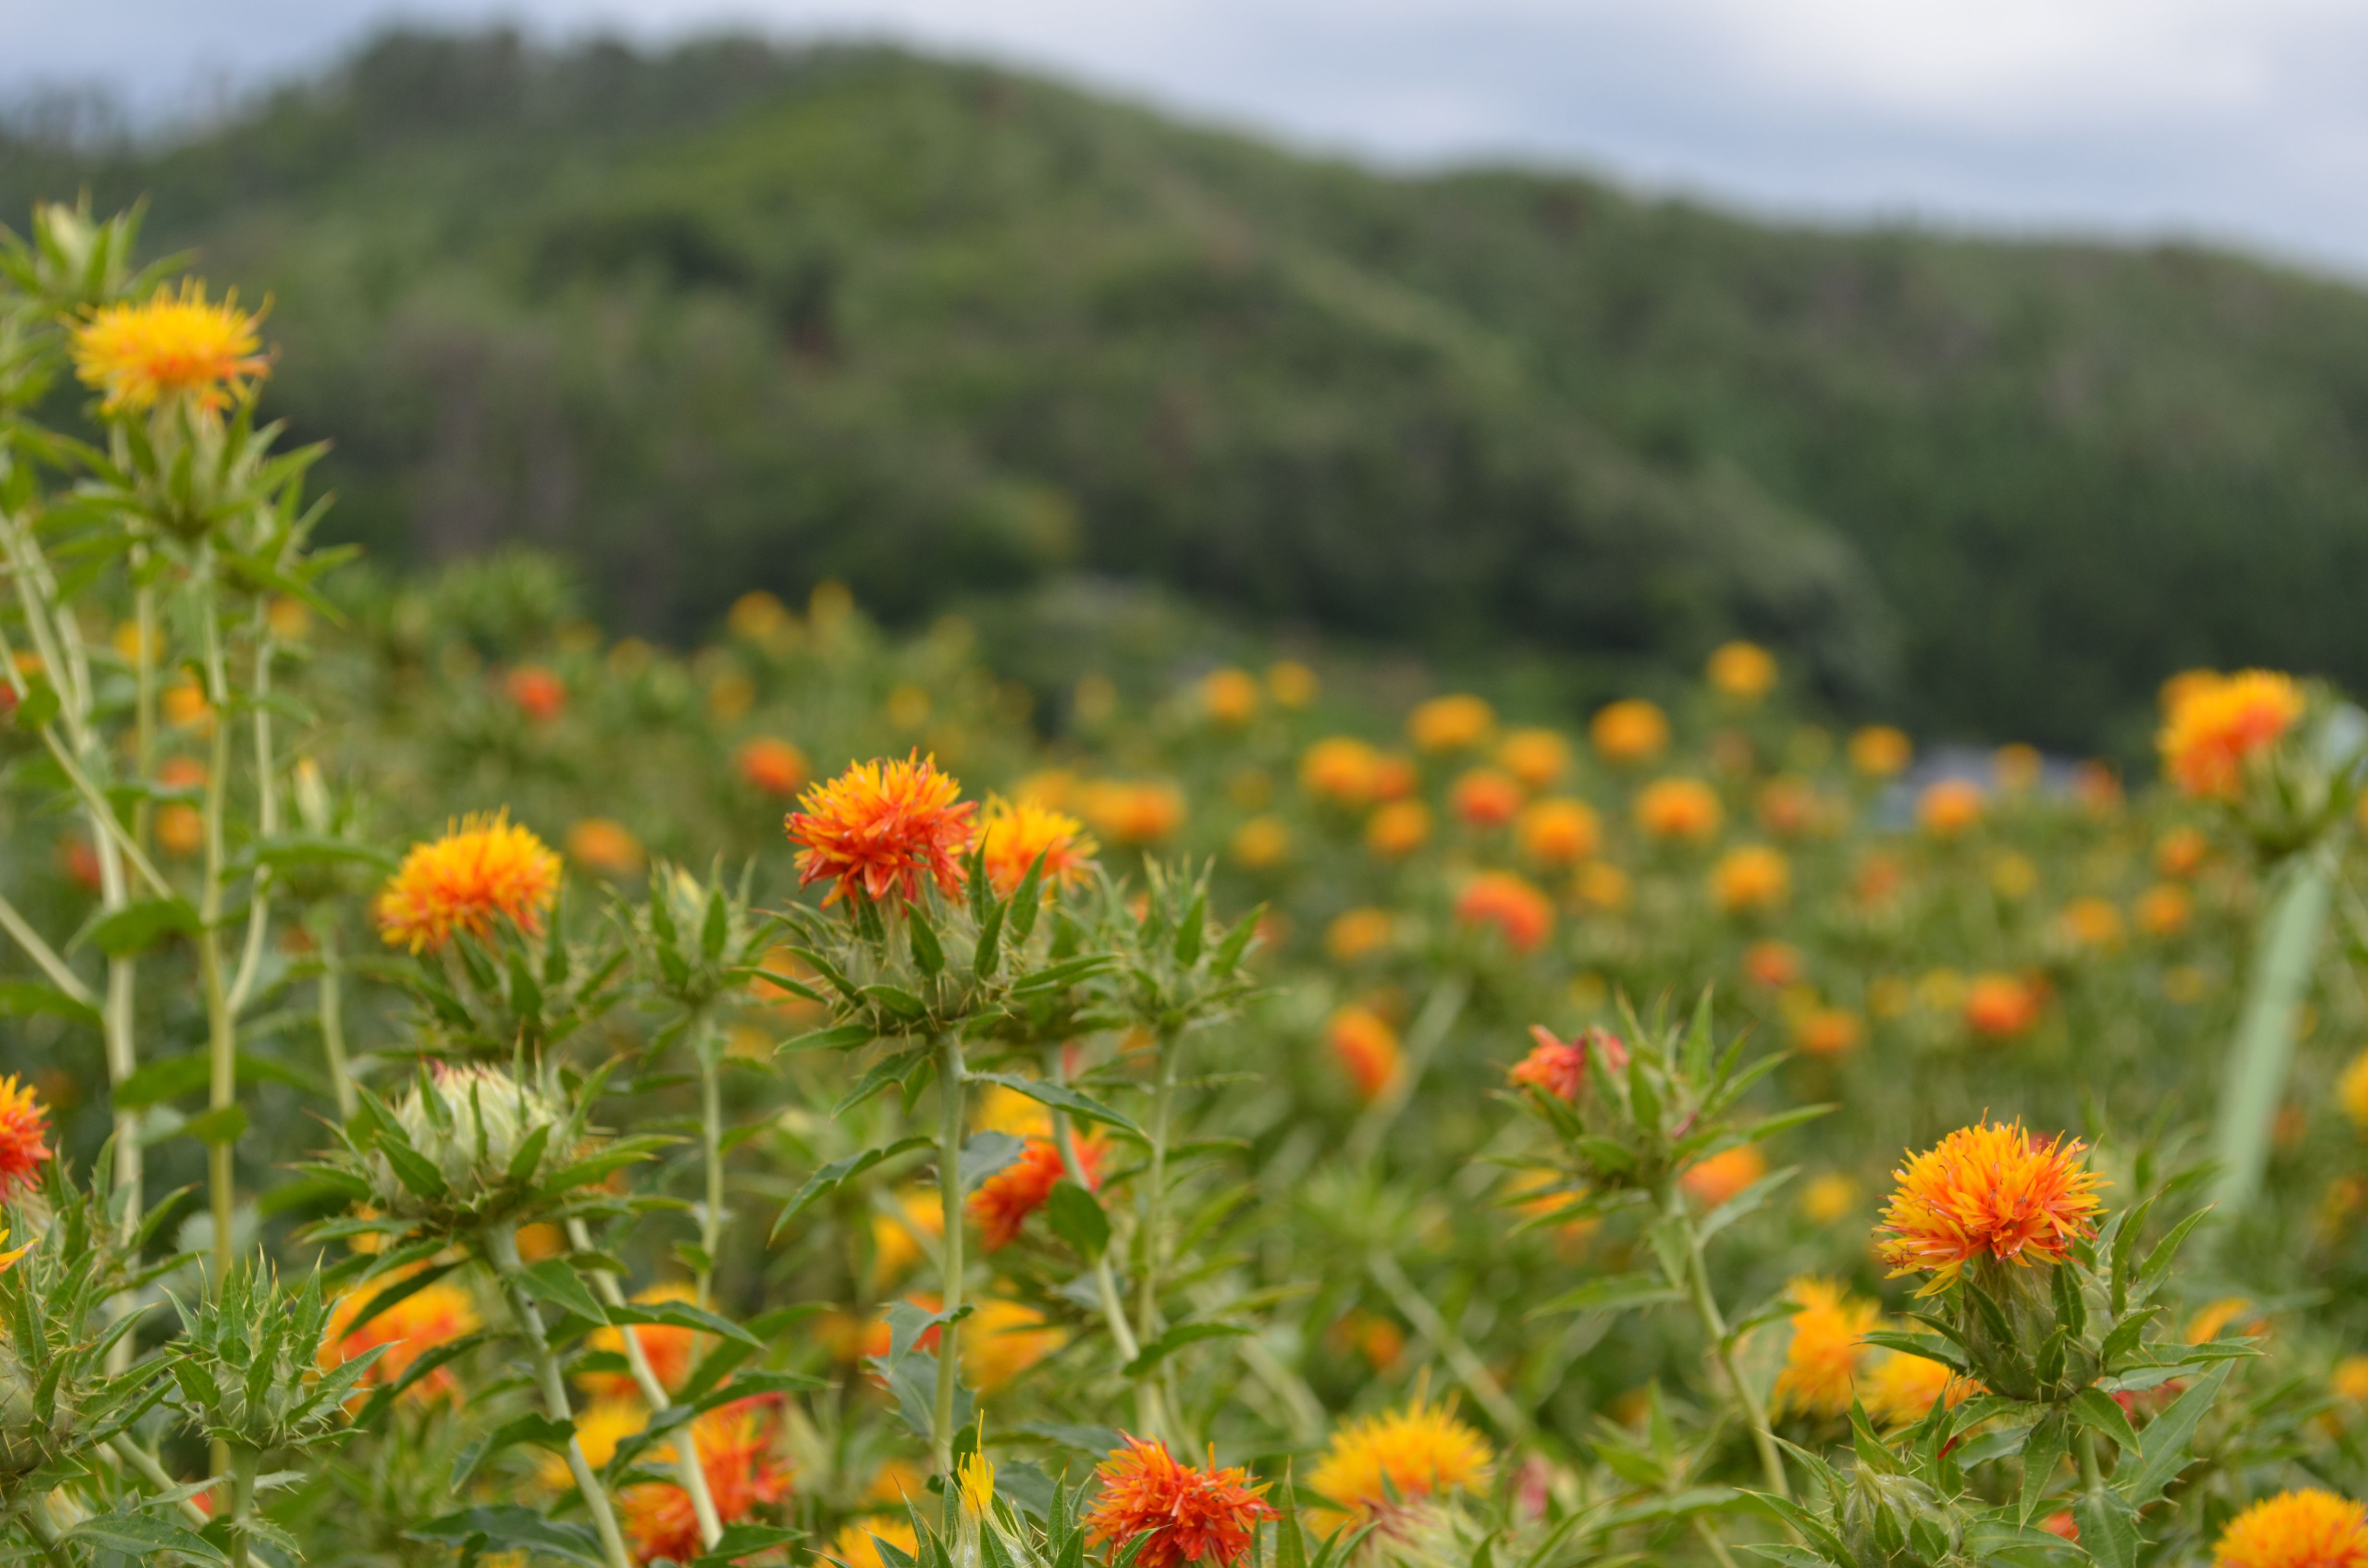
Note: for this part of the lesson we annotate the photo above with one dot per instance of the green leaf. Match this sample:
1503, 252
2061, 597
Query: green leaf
529, 1153
2109, 1528
1076, 1217
745, 1539
2162, 1449
1192, 930
507, 1526
553, 1280
897, 1001
1176, 1339
929, 953
985, 1155
141, 1536
1067, 973
682, 1314
827, 1179
1061, 1097
1614, 1294
2042, 1452
2095, 1409
136, 927
532, 1428
988, 949
285, 850
22, 998
845, 1036
223, 1124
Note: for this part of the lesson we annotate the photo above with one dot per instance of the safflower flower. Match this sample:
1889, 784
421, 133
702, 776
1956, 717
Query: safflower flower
771, 766
1537, 757
2217, 725
1991, 1190
1377, 1466
1516, 909
1822, 1358
1451, 723
1750, 877
1015, 833
483, 870
1679, 808
171, 346
2308, 1529
1176, 1514
1630, 730
1486, 798
1365, 1045
1949, 806
1557, 830
1743, 671
881, 828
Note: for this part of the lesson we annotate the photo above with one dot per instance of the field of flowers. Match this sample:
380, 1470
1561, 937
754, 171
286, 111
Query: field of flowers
482, 1090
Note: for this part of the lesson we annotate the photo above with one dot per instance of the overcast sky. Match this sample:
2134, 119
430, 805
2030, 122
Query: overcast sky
2243, 121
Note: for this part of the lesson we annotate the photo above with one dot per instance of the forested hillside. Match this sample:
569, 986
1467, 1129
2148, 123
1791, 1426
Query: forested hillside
737, 316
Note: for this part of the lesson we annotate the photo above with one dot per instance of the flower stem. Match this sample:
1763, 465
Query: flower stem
1153, 1400
708, 1048
222, 1031
329, 999
244, 1462
501, 1246
1714, 1321
1150, 1409
950, 1095
692, 1475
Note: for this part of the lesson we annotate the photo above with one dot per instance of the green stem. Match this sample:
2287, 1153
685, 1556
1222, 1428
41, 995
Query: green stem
1151, 1414
1156, 1402
501, 1248
45, 1531
2262, 1053
132, 1456
1433, 1325
1713, 1322
330, 999
222, 1033
267, 823
656, 1395
708, 1048
950, 1095
244, 1462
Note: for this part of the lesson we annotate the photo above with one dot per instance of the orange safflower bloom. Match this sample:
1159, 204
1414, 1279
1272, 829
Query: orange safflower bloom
1880, 752
669, 1349
1260, 844
1178, 1514
2001, 1006
1398, 829
1679, 808
174, 346
2092, 922
1751, 877
1772, 964
1395, 776
1536, 757
858, 1545
433, 1315
1002, 1339
2164, 910
2016, 766
24, 1136
1949, 806
1785, 805
882, 827
772, 765
1486, 798
1511, 904
2182, 853
1016, 833
1828, 1031
1451, 723
1901, 1389
1992, 1190
1230, 696
735, 1446
540, 694
1821, 1362
1292, 684
1140, 811
1559, 1066
1358, 932
1340, 769
1628, 730
603, 843
2309, 1528
1744, 671
1377, 1465
2220, 723
1713, 1181
1558, 832
484, 869
1365, 1045
1004, 1200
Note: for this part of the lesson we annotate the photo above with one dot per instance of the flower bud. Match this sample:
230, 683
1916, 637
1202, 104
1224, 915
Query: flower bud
472, 1123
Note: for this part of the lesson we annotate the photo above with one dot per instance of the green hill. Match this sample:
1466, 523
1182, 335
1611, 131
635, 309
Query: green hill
735, 316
